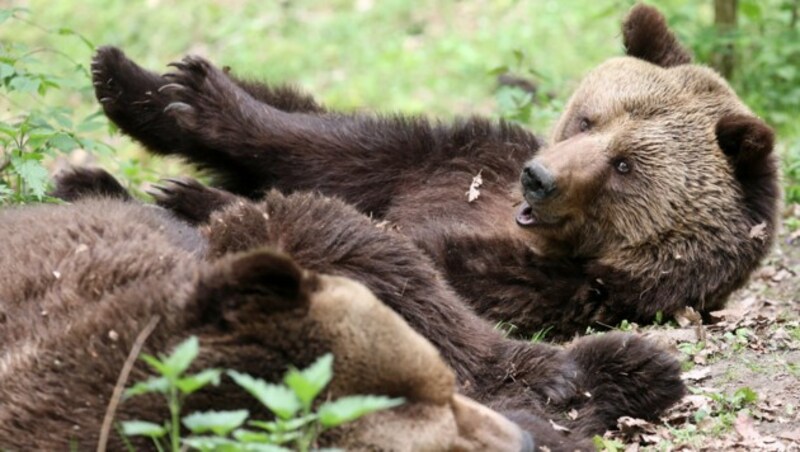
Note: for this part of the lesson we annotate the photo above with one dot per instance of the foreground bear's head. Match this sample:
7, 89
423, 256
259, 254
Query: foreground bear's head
658, 173
79, 283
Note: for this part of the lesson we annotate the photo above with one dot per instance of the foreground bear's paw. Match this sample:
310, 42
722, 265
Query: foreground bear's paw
202, 96
76, 183
188, 199
126, 91
623, 375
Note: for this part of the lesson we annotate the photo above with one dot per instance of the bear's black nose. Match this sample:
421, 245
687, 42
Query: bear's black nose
537, 182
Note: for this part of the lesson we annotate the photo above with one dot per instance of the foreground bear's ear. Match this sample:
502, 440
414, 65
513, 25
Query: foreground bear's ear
746, 140
247, 286
647, 37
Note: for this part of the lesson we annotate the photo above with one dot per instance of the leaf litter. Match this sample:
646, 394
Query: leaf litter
742, 370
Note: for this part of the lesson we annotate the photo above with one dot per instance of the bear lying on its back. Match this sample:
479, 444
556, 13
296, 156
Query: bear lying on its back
658, 191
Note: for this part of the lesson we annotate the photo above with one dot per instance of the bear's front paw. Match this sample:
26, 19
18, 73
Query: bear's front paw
188, 199
76, 183
201, 95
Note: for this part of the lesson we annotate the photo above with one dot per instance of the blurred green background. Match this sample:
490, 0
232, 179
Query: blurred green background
440, 58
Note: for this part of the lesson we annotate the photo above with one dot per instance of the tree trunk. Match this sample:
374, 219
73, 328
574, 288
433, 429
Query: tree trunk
725, 22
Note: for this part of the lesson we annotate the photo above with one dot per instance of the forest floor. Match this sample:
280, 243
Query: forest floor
743, 372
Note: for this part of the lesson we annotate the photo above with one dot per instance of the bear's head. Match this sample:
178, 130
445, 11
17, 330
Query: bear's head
259, 307
658, 175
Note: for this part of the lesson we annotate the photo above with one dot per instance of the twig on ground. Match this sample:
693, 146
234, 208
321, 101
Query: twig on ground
122, 380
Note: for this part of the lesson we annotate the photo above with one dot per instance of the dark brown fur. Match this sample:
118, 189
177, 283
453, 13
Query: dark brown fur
629, 247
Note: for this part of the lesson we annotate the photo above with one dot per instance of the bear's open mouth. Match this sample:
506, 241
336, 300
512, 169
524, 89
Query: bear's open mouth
525, 216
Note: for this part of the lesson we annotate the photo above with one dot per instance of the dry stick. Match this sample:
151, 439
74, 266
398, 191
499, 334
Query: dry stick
122, 380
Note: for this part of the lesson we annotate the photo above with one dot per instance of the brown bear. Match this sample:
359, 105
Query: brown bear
657, 191
601, 378
80, 283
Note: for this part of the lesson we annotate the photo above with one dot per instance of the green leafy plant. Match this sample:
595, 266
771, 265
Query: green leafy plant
725, 408
607, 444
738, 339
296, 423
535, 105
35, 130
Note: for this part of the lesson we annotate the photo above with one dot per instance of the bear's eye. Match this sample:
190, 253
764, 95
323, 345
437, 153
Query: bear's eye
623, 166
584, 125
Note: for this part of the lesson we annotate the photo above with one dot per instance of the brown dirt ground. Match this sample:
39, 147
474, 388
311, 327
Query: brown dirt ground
743, 371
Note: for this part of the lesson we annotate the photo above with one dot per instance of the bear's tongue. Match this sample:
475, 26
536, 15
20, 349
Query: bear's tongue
525, 215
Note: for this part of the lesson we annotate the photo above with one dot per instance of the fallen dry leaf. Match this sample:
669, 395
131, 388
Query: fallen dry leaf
697, 374
688, 317
746, 428
473, 193
759, 231
794, 435
732, 314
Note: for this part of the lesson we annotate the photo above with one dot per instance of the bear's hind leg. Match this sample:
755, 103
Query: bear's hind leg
623, 375
129, 96
190, 200
77, 183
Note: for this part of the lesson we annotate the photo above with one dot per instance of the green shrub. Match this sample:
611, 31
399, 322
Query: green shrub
36, 130
296, 423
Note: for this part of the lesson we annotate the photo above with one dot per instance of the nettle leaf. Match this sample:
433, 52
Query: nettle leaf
211, 443
6, 70
64, 142
308, 383
282, 437
279, 399
350, 408
142, 428
181, 358
264, 425
297, 423
283, 426
8, 129
192, 383
219, 444
45, 85
155, 363
92, 122
62, 117
249, 436
217, 422
153, 384
98, 147
32, 173
24, 84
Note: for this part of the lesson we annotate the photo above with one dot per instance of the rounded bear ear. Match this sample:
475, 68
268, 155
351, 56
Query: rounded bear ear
246, 286
647, 37
746, 140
